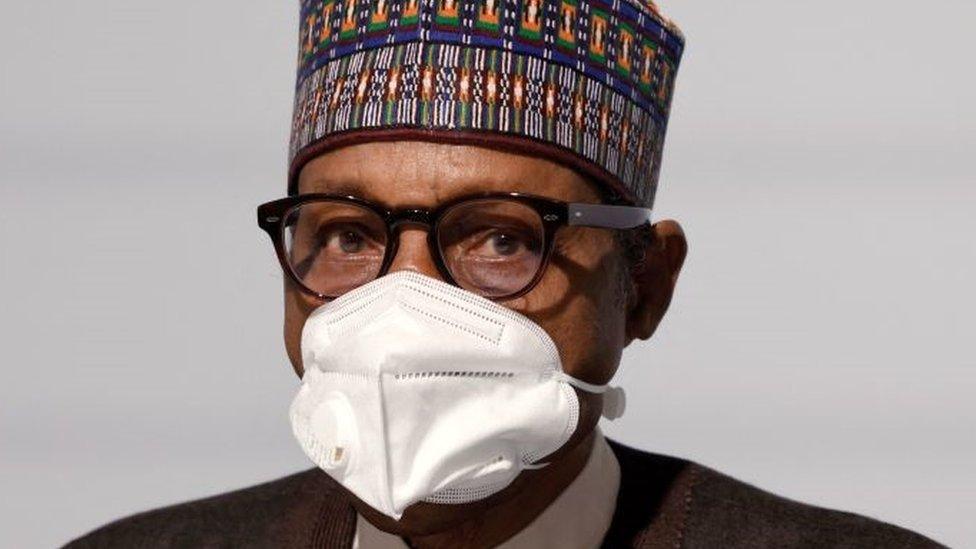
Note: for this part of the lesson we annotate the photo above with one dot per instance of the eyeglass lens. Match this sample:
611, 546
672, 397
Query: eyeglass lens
333, 247
492, 247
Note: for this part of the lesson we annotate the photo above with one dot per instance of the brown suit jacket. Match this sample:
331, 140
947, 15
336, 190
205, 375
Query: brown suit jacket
664, 502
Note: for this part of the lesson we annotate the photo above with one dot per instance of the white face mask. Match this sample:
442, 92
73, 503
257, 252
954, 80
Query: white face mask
416, 390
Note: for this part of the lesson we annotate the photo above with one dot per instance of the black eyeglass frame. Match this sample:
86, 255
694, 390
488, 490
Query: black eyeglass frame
553, 213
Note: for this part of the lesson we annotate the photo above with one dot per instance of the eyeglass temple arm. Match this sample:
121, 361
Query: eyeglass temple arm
606, 216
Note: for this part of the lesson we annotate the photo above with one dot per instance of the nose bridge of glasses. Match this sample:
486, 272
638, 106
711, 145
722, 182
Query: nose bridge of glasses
412, 216
412, 251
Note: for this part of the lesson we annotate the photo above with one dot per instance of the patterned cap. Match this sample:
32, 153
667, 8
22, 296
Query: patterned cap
587, 83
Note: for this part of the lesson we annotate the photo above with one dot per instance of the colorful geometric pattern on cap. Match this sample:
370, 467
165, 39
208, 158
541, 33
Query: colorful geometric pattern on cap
588, 80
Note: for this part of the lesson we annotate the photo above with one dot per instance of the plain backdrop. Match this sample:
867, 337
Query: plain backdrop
820, 344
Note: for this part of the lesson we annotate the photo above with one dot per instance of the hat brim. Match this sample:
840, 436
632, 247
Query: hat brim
511, 143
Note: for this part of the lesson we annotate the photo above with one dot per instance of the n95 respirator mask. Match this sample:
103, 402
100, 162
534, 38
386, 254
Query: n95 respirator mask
416, 390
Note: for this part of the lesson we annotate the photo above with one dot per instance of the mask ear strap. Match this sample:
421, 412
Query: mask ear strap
580, 384
614, 398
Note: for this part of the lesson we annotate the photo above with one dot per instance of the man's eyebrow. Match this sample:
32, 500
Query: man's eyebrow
345, 187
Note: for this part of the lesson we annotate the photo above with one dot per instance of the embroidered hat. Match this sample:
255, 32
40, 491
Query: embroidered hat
587, 83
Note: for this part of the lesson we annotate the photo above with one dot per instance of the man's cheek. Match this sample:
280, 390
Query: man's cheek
575, 335
297, 310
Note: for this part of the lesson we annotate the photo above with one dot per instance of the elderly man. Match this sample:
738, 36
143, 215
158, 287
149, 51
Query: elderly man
468, 248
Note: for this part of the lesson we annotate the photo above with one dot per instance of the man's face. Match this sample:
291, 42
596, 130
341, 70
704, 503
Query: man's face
585, 301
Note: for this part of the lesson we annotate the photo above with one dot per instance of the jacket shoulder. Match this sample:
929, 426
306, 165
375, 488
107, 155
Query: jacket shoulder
281, 513
725, 512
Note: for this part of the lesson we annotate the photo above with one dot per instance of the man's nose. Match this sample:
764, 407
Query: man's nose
413, 254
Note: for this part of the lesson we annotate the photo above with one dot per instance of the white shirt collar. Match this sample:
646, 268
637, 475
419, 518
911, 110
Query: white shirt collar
592, 494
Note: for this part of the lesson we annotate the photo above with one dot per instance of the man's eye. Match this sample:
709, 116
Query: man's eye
502, 245
505, 244
348, 241
344, 240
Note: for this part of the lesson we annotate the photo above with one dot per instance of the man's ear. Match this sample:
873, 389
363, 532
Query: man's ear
655, 280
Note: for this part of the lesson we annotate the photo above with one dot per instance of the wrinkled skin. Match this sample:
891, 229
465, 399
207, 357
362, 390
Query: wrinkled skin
589, 301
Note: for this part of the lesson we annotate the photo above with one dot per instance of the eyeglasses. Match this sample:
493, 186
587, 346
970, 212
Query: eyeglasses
496, 245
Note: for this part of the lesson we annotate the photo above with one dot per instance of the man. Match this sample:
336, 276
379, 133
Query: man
467, 252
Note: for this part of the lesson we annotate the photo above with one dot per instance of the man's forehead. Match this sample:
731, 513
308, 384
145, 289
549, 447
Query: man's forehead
425, 174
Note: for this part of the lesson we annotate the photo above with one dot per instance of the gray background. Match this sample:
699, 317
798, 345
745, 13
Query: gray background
820, 343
